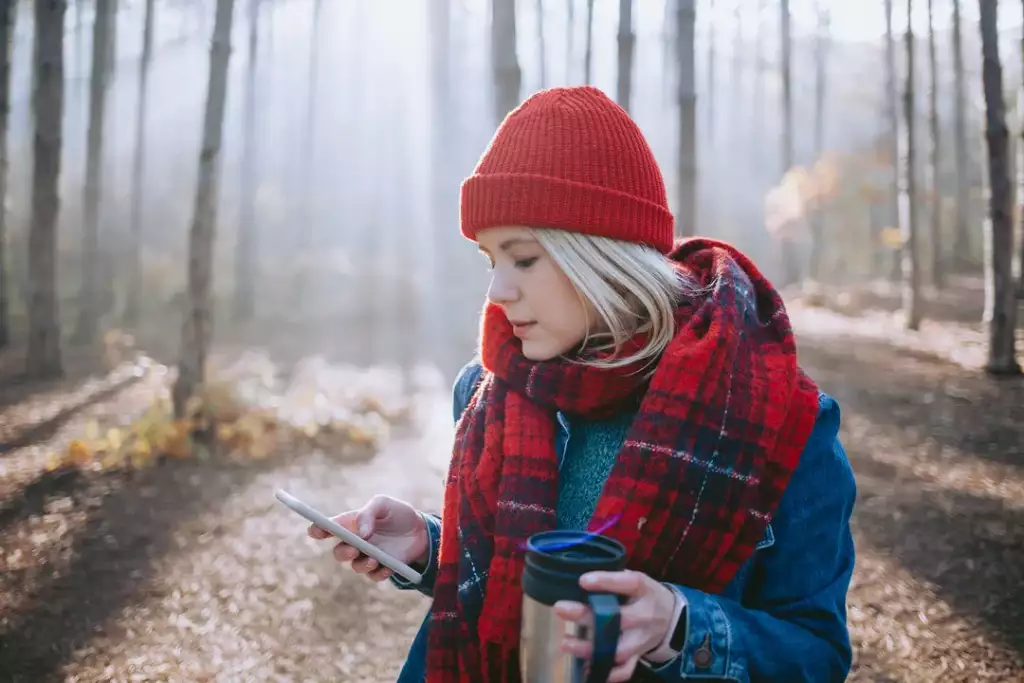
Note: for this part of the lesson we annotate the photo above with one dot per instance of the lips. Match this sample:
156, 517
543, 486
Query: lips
520, 327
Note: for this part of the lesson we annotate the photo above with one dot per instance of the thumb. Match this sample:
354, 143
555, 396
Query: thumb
366, 520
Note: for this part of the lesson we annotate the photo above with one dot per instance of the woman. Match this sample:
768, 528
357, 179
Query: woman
623, 379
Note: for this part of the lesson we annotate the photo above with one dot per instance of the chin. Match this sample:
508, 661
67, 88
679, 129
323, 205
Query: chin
536, 351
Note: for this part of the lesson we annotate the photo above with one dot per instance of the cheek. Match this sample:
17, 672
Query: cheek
559, 308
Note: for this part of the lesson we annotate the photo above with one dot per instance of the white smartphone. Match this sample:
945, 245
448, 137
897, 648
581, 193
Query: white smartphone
335, 529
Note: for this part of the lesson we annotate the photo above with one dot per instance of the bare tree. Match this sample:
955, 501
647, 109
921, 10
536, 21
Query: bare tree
197, 327
935, 163
893, 119
712, 64
541, 57
909, 219
309, 214
757, 120
570, 37
88, 310
686, 210
1000, 298
8, 13
44, 355
961, 229
244, 300
790, 267
820, 90
504, 61
588, 55
133, 303
627, 40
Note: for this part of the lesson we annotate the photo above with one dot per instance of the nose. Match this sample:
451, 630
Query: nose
502, 290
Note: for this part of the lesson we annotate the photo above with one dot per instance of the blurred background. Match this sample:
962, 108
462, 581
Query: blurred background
229, 231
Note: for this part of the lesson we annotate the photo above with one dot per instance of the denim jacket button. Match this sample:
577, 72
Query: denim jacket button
703, 656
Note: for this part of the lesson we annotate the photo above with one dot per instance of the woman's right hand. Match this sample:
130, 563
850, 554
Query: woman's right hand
392, 525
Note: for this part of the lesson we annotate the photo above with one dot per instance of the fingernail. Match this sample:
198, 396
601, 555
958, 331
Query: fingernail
364, 529
586, 580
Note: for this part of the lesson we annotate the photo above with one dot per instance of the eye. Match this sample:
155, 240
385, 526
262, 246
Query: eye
525, 263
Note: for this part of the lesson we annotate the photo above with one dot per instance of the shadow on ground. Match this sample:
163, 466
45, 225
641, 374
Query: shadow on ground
103, 562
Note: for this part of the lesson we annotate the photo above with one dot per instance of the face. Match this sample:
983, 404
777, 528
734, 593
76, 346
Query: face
545, 310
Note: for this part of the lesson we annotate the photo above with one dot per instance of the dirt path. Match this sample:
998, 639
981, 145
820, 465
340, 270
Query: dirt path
193, 572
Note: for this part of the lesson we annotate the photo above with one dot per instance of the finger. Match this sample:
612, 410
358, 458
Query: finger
365, 565
631, 645
623, 672
626, 582
366, 520
380, 574
343, 552
577, 647
345, 519
571, 611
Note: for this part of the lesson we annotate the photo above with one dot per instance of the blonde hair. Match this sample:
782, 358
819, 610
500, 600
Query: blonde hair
632, 287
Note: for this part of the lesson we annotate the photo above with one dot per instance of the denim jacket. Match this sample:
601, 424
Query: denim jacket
782, 619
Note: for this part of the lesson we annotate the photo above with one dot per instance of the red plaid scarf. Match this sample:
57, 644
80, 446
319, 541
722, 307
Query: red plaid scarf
719, 429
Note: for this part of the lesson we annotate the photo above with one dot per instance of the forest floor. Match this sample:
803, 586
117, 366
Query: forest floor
191, 571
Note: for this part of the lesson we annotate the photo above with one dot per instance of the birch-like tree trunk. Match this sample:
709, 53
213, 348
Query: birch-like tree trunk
197, 328
444, 193
244, 300
711, 79
88, 304
8, 13
504, 61
570, 38
935, 162
1020, 246
1000, 299
588, 55
627, 41
820, 90
757, 133
893, 116
542, 60
686, 209
309, 215
961, 230
909, 213
44, 355
133, 304
790, 265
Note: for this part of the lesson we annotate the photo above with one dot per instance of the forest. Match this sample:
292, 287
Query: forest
230, 261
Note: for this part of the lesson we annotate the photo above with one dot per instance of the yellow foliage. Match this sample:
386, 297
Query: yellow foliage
79, 453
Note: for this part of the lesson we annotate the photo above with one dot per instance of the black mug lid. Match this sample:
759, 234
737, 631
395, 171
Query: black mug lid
556, 559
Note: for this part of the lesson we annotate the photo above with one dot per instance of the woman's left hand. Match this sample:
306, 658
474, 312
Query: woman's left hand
645, 618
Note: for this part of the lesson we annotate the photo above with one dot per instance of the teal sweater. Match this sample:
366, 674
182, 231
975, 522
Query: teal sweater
589, 457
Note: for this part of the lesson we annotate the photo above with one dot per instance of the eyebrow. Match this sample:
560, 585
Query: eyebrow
512, 241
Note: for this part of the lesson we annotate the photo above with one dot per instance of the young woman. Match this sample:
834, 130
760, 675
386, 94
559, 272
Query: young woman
624, 377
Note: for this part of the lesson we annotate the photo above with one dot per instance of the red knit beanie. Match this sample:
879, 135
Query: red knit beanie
572, 159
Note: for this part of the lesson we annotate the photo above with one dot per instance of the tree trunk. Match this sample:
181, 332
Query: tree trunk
686, 210
44, 355
1000, 299
711, 79
935, 163
588, 55
961, 232
8, 13
820, 85
88, 306
309, 215
542, 61
757, 133
444, 193
197, 327
244, 301
909, 221
627, 40
504, 62
893, 116
790, 265
133, 304
1020, 247
570, 38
